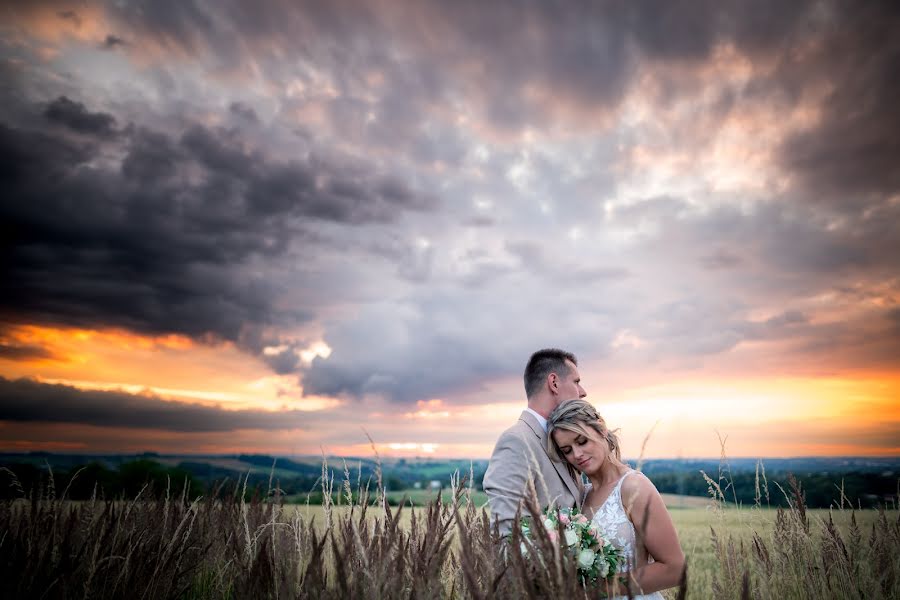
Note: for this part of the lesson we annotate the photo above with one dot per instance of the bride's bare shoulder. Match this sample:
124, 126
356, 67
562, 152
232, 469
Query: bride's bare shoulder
637, 487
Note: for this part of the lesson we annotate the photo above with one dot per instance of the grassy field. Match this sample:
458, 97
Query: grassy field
739, 527
696, 519
423, 497
229, 548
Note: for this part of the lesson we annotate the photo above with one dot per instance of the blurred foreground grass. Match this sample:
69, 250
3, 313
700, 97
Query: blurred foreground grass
224, 546
695, 520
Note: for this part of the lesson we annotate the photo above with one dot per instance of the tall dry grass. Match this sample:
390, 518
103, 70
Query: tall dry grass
806, 556
801, 556
240, 545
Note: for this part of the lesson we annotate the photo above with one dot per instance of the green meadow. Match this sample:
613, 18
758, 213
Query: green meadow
250, 543
715, 535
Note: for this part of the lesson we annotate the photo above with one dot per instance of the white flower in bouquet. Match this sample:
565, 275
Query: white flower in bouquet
586, 558
602, 569
596, 558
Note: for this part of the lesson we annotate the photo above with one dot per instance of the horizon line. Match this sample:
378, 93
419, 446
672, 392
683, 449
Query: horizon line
434, 458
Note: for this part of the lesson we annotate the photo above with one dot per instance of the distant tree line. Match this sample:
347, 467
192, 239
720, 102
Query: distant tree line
301, 481
152, 479
146, 477
821, 490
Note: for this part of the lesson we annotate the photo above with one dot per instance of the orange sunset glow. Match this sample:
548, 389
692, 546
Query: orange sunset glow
344, 230
762, 416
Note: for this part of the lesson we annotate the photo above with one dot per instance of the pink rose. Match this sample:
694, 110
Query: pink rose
554, 536
564, 518
581, 520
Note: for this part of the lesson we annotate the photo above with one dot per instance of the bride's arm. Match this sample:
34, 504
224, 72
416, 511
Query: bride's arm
653, 527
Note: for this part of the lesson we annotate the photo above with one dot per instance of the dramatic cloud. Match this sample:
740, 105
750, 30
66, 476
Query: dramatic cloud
112, 41
159, 241
432, 190
75, 116
23, 401
848, 158
21, 352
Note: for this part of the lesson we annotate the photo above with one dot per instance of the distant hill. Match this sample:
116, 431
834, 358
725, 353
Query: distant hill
798, 466
865, 481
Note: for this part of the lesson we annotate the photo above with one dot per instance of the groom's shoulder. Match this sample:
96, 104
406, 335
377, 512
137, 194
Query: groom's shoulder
517, 429
519, 423
516, 435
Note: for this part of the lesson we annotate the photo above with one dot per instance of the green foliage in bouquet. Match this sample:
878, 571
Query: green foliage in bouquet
597, 559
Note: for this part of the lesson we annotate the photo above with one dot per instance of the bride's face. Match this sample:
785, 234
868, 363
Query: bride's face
587, 453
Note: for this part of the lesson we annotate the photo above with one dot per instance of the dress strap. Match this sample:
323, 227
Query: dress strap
618, 488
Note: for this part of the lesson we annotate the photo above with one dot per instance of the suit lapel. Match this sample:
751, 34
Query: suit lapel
561, 468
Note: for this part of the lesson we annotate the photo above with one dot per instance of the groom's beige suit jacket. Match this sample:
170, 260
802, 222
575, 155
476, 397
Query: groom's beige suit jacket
521, 456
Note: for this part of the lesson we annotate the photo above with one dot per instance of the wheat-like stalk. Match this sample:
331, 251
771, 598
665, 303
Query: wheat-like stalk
247, 544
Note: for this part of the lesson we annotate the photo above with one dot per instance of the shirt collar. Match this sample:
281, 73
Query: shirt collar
541, 420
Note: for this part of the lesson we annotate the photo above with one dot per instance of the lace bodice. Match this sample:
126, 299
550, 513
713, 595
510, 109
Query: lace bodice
614, 523
615, 526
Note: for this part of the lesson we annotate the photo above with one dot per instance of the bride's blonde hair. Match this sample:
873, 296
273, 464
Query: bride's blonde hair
579, 416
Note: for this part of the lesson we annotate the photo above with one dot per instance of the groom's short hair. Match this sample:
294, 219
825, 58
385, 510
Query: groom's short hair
542, 363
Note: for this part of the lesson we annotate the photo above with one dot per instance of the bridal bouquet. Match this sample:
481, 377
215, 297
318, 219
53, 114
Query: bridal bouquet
597, 558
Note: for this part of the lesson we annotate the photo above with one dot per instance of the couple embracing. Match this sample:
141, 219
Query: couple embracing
559, 440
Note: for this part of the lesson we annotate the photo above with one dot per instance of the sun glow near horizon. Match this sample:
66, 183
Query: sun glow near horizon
761, 416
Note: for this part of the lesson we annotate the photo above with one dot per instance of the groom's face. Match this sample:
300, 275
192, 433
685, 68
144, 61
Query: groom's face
570, 384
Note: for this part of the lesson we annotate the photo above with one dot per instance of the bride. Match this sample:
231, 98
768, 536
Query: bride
623, 503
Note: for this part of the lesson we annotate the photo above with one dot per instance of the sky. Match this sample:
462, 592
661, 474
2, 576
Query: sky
297, 227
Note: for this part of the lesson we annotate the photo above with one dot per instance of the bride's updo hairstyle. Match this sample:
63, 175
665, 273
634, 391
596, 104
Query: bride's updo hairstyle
579, 416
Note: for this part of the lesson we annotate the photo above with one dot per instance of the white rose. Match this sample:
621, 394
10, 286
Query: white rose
549, 524
586, 558
603, 569
571, 537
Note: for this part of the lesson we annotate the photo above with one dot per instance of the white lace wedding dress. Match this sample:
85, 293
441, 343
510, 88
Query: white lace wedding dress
617, 528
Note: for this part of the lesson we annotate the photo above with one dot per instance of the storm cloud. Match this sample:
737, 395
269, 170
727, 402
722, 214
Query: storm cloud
436, 189
158, 241
24, 401
23, 352
75, 116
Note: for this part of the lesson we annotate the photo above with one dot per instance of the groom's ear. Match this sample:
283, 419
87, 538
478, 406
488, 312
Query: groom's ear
553, 381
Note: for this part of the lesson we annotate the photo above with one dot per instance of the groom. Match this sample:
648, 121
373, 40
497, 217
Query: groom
551, 377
